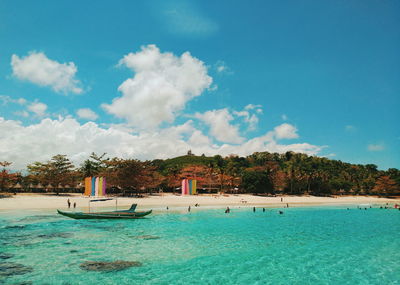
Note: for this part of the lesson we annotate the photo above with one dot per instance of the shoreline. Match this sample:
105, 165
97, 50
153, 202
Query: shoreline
28, 201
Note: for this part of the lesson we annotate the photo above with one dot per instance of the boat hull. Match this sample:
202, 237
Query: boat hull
105, 215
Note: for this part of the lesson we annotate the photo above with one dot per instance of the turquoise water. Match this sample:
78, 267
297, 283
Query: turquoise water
302, 246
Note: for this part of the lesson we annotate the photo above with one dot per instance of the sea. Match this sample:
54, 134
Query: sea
305, 245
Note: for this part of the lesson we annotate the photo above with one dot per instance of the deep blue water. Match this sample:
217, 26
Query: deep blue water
302, 246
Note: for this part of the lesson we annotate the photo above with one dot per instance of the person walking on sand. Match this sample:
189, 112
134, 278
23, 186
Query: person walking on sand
189, 209
281, 199
69, 204
74, 205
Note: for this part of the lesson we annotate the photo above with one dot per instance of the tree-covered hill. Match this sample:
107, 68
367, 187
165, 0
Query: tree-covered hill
260, 172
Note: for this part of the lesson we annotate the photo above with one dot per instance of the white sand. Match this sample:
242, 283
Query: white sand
35, 201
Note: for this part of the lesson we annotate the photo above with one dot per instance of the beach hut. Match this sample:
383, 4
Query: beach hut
39, 187
17, 187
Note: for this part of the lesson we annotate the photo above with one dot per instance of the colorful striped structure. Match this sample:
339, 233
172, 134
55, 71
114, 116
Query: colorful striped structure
95, 186
189, 186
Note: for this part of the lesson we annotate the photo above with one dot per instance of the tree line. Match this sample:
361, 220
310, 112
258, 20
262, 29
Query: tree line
259, 173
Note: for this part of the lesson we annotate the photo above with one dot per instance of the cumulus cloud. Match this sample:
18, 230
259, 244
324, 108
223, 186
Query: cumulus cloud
78, 141
250, 118
39, 69
220, 127
38, 108
286, 131
376, 147
162, 85
86, 113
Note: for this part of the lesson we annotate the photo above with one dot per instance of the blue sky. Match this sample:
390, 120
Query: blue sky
153, 79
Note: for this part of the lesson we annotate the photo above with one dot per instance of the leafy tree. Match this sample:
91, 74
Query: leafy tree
94, 165
128, 174
58, 171
386, 185
257, 181
220, 164
6, 178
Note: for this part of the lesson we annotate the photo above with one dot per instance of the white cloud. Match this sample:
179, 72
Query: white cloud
199, 139
286, 131
376, 147
38, 108
7, 99
39, 69
252, 106
86, 113
220, 127
162, 85
78, 141
221, 67
250, 119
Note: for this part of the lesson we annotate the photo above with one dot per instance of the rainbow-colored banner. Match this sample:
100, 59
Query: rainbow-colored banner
95, 186
189, 186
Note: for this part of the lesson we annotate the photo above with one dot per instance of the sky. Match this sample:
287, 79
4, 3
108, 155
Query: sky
157, 78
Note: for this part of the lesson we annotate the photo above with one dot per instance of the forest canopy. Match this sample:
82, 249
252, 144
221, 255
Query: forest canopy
259, 173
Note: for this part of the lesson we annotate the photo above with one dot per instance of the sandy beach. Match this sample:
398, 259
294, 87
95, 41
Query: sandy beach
36, 201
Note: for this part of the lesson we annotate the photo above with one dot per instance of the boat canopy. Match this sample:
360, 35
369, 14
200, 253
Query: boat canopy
100, 200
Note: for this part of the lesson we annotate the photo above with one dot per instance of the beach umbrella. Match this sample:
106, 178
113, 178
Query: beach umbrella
39, 186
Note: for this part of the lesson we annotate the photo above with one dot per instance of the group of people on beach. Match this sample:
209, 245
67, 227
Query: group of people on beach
69, 204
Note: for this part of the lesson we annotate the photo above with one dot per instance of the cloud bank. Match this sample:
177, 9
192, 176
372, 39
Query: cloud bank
150, 102
38, 142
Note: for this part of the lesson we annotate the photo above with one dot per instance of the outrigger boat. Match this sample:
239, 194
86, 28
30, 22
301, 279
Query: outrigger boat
121, 214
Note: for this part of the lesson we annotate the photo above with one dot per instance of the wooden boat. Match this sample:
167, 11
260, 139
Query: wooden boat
124, 214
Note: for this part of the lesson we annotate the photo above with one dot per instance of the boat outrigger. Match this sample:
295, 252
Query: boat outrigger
121, 214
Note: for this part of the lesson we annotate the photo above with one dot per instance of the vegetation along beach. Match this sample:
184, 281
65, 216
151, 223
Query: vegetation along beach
199, 142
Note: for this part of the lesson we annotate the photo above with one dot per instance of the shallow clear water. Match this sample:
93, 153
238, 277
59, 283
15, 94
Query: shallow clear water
302, 246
